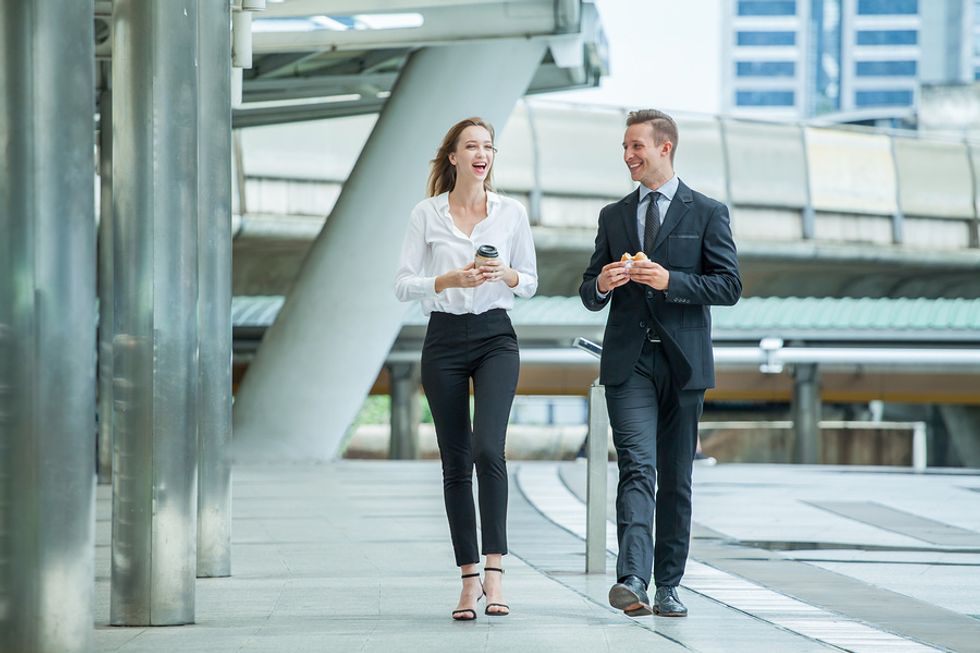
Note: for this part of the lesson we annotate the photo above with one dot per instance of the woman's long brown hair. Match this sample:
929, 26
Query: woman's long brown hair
442, 174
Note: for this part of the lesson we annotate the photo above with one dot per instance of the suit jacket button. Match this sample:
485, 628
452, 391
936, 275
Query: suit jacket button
649, 294
643, 325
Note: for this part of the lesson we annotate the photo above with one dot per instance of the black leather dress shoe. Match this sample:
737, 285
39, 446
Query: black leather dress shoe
666, 603
630, 596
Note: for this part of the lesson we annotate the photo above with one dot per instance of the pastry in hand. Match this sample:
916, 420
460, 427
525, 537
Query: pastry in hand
629, 259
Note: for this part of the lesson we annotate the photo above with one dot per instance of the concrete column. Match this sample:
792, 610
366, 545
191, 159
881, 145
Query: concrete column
47, 326
155, 287
105, 287
405, 411
214, 290
806, 414
318, 361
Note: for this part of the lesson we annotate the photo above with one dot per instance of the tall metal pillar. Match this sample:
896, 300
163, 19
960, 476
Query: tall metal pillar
806, 414
405, 411
104, 278
47, 326
155, 286
318, 361
214, 291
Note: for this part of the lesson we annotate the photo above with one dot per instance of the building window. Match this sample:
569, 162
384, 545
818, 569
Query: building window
888, 37
886, 68
765, 98
883, 98
766, 38
888, 7
765, 68
767, 8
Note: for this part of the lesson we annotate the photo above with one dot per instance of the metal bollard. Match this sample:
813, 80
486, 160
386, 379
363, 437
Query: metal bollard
597, 455
597, 450
920, 454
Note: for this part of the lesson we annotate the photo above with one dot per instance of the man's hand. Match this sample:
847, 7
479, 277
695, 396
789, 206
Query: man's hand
649, 274
612, 276
465, 277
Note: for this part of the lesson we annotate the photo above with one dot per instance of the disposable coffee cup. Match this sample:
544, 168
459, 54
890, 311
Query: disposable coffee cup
485, 254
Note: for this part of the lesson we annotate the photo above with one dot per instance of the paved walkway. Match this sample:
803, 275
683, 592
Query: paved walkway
355, 556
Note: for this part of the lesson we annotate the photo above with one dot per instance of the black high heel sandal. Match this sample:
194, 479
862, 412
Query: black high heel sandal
486, 611
471, 616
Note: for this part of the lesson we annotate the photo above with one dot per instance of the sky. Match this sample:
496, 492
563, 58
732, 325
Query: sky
663, 54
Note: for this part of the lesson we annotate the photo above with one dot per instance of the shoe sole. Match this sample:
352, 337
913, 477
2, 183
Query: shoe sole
663, 613
621, 598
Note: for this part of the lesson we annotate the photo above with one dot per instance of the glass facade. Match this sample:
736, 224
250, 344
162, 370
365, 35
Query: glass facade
765, 98
824, 57
888, 37
887, 7
886, 68
766, 38
765, 68
883, 98
767, 7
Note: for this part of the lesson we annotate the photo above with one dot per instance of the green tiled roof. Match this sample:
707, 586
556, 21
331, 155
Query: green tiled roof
753, 317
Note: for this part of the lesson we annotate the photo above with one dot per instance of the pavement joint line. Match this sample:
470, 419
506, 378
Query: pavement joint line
544, 488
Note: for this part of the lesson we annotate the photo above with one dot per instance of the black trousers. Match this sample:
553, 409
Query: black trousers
482, 348
655, 430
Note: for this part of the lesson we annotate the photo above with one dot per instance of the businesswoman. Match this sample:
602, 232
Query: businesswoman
470, 337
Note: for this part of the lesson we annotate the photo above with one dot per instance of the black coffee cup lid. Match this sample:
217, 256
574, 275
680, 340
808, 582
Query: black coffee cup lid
487, 251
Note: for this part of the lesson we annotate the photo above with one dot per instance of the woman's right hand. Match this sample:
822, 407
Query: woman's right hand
466, 277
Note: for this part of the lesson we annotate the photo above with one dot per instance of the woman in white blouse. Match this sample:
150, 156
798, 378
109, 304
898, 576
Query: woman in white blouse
470, 337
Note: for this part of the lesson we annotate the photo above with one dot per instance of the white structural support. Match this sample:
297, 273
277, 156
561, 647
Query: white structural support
155, 337
320, 358
47, 327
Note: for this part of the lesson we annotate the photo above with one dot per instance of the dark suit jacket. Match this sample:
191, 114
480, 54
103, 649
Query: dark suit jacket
695, 244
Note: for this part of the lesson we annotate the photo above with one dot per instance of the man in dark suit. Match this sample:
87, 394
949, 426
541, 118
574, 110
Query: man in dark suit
657, 358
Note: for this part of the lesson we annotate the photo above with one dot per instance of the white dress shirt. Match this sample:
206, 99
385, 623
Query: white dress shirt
434, 246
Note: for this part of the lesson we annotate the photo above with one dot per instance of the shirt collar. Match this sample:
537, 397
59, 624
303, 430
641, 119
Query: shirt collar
667, 189
442, 202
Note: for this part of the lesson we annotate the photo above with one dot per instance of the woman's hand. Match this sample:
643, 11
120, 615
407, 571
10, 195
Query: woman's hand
465, 277
497, 271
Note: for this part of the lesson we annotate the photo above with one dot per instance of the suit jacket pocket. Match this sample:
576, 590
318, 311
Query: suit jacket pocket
683, 250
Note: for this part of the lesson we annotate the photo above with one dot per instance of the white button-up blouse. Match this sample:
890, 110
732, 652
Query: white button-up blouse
434, 246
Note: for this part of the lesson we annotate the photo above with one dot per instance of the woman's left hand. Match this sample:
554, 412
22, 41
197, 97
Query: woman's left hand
497, 271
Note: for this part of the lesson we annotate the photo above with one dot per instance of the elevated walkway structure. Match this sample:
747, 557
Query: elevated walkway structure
816, 211
896, 350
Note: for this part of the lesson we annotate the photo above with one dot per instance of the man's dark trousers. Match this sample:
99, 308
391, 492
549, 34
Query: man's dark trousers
655, 433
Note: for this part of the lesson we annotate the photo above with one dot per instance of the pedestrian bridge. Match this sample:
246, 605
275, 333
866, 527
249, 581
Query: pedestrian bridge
816, 211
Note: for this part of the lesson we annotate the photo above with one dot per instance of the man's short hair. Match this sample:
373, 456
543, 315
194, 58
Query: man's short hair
664, 127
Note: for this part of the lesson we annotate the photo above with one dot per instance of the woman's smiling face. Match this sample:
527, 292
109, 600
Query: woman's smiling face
474, 152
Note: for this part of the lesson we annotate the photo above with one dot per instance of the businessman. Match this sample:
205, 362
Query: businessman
657, 358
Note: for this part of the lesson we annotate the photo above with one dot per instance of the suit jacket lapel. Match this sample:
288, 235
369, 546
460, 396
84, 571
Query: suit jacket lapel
678, 208
629, 220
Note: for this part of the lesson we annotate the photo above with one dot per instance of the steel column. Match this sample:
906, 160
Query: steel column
155, 284
806, 414
47, 326
214, 290
405, 411
104, 268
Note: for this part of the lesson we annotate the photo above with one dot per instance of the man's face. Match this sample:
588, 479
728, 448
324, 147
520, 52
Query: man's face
647, 162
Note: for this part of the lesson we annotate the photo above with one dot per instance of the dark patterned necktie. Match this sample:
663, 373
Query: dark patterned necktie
652, 225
